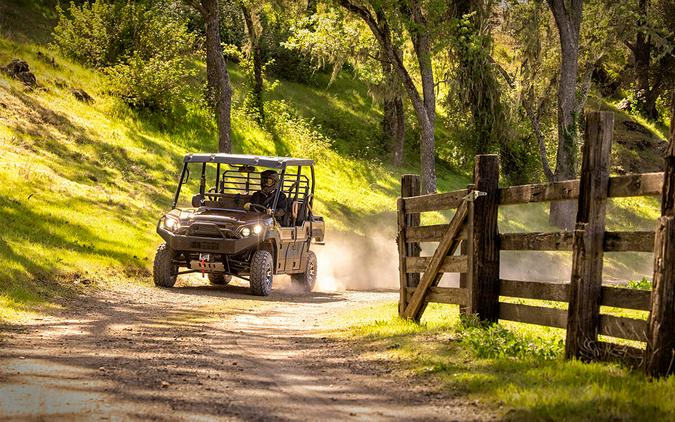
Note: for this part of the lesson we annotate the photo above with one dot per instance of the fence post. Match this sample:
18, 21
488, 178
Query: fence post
410, 186
465, 249
583, 315
660, 352
483, 272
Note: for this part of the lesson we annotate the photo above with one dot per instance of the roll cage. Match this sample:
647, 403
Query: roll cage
238, 175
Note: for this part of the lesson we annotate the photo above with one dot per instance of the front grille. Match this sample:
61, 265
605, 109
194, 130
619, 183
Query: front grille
204, 245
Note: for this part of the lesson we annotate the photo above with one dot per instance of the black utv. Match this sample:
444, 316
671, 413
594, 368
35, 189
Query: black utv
247, 216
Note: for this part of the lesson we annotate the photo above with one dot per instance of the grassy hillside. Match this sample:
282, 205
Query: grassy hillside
82, 185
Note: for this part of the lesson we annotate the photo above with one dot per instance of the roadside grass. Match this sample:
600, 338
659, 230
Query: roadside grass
515, 369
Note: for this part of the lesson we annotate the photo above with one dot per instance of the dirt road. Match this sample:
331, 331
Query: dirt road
199, 352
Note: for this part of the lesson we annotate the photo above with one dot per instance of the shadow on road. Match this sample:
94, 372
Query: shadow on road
185, 353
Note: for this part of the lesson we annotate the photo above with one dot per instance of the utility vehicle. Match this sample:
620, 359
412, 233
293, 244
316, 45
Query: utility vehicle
222, 232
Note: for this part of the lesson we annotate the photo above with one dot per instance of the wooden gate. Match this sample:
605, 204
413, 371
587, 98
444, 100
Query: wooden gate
473, 230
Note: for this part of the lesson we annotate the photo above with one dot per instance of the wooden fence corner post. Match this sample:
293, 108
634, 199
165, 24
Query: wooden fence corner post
410, 186
483, 271
583, 315
660, 352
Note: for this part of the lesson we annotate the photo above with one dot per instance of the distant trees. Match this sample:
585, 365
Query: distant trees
510, 77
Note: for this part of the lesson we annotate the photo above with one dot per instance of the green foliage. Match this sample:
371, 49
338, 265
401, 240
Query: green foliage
284, 123
495, 341
643, 284
479, 103
146, 52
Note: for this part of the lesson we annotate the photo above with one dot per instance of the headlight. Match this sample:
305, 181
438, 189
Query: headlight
246, 232
171, 223
257, 229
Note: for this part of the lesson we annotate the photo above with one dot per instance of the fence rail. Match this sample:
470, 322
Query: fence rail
474, 230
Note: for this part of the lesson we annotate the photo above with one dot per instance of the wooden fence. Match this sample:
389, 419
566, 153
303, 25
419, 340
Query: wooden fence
474, 231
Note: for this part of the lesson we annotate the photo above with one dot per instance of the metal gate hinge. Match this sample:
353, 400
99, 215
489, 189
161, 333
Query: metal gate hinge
473, 195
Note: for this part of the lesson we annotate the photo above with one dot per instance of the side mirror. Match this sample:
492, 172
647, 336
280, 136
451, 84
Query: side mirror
197, 200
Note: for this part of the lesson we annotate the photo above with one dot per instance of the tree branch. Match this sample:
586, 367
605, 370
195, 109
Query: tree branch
197, 5
503, 72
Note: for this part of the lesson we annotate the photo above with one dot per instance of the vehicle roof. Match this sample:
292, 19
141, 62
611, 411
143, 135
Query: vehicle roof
251, 160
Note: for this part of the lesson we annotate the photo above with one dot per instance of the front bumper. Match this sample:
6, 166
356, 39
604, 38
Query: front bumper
181, 243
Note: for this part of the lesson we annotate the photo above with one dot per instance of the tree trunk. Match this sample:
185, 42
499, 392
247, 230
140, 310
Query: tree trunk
422, 46
642, 51
380, 29
393, 121
567, 16
399, 135
256, 56
219, 89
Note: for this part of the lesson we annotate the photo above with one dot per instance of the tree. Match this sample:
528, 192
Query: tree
424, 104
652, 46
331, 38
253, 29
218, 78
567, 15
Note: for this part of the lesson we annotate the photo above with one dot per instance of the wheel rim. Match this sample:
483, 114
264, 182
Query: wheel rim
311, 271
268, 277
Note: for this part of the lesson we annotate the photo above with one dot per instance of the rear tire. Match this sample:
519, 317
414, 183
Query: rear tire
262, 267
219, 279
164, 271
306, 280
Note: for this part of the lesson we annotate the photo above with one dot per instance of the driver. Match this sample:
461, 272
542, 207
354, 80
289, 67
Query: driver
269, 181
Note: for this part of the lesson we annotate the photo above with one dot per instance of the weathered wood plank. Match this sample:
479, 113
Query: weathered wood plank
618, 186
550, 317
635, 185
435, 201
555, 241
617, 297
588, 249
451, 264
620, 297
642, 241
447, 246
428, 233
540, 192
451, 295
562, 241
621, 327
534, 290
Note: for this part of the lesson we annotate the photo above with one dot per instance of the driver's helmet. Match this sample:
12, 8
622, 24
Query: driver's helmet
268, 181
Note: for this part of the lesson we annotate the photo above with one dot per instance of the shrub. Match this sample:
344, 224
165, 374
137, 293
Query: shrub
644, 284
495, 341
300, 135
145, 51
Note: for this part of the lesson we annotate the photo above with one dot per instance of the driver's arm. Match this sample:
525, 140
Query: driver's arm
255, 199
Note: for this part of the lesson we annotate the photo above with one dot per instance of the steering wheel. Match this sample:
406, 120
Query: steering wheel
259, 207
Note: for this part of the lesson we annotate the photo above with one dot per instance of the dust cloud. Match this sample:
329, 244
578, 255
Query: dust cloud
350, 261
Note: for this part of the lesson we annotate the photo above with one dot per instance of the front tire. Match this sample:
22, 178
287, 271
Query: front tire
262, 266
306, 280
164, 271
219, 279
